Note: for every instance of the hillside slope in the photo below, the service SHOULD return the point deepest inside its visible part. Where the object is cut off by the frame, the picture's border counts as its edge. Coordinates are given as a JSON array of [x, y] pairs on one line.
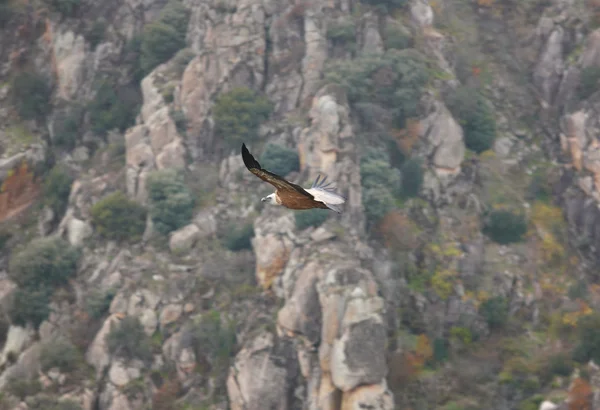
[[139, 269]]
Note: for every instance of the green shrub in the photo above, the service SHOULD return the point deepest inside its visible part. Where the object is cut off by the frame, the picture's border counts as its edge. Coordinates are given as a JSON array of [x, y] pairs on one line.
[[56, 190], [68, 128], [238, 237], [440, 350], [213, 341], [97, 303], [65, 405], [376, 172], [588, 334], [380, 184], [412, 177], [505, 227], [60, 353], [476, 117], [560, 364], [128, 340], [588, 82], [532, 403], [31, 95], [96, 33], [5, 236], [171, 202], [540, 187], [113, 107], [386, 4], [44, 263], [6, 14], [495, 311], [310, 217], [65, 7], [342, 31], [377, 202], [163, 38], [393, 80], [180, 121], [23, 388], [29, 306], [119, 218], [397, 36], [238, 115], [4, 326], [45, 402], [279, 159]]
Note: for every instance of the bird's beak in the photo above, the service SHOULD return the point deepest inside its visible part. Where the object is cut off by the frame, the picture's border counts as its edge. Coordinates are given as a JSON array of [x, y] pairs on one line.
[[263, 199]]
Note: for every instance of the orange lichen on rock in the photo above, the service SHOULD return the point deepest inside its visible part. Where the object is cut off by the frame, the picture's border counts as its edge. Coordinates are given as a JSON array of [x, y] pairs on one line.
[[580, 395], [18, 191]]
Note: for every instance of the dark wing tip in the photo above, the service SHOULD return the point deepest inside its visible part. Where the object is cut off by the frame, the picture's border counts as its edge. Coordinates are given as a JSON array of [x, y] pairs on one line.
[[249, 161]]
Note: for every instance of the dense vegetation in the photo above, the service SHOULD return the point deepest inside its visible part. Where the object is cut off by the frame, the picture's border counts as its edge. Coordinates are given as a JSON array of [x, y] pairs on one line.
[[31, 95], [42, 266], [171, 202], [57, 188], [475, 115], [112, 108], [393, 80], [279, 159], [117, 217], [162, 38], [238, 114]]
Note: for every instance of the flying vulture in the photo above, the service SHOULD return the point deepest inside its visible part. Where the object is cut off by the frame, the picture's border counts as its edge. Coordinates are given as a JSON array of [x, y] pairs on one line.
[[292, 196]]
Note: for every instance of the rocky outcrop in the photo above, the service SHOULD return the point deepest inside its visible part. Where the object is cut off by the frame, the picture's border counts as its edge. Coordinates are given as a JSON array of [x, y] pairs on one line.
[[263, 375], [445, 140], [155, 143], [328, 147]]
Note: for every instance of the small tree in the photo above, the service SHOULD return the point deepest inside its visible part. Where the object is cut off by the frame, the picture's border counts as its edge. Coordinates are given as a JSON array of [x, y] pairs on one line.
[[164, 37], [44, 263], [56, 190], [65, 7], [171, 202], [128, 340], [31, 95], [505, 227], [475, 115], [377, 201], [114, 107], [238, 115], [376, 172], [588, 82], [29, 306], [588, 332], [238, 237], [59, 353], [310, 217], [279, 159], [118, 217], [213, 341], [495, 311], [412, 177]]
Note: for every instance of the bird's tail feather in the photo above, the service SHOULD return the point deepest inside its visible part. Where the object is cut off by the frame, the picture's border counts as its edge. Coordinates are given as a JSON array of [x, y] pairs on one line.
[[335, 208]]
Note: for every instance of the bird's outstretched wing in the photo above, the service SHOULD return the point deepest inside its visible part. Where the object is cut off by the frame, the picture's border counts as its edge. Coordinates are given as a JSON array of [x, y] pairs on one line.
[[273, 179]]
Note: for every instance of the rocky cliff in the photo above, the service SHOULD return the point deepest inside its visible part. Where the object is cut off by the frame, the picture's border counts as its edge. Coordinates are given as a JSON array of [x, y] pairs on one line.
[[139, 268]]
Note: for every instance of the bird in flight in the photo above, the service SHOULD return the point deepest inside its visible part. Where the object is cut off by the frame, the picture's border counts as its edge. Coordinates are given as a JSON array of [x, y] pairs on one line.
[[292, 196]]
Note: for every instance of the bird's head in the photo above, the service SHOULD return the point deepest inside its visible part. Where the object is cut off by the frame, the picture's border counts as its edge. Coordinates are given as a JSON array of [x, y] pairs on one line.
[[269, 199]]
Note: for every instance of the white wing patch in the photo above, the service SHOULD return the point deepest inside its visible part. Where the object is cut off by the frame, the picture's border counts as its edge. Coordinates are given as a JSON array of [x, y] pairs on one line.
[[325, 193], [326, 197]]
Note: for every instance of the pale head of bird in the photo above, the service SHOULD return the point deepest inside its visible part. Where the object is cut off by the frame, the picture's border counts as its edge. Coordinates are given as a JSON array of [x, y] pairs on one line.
[[270, 199]]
